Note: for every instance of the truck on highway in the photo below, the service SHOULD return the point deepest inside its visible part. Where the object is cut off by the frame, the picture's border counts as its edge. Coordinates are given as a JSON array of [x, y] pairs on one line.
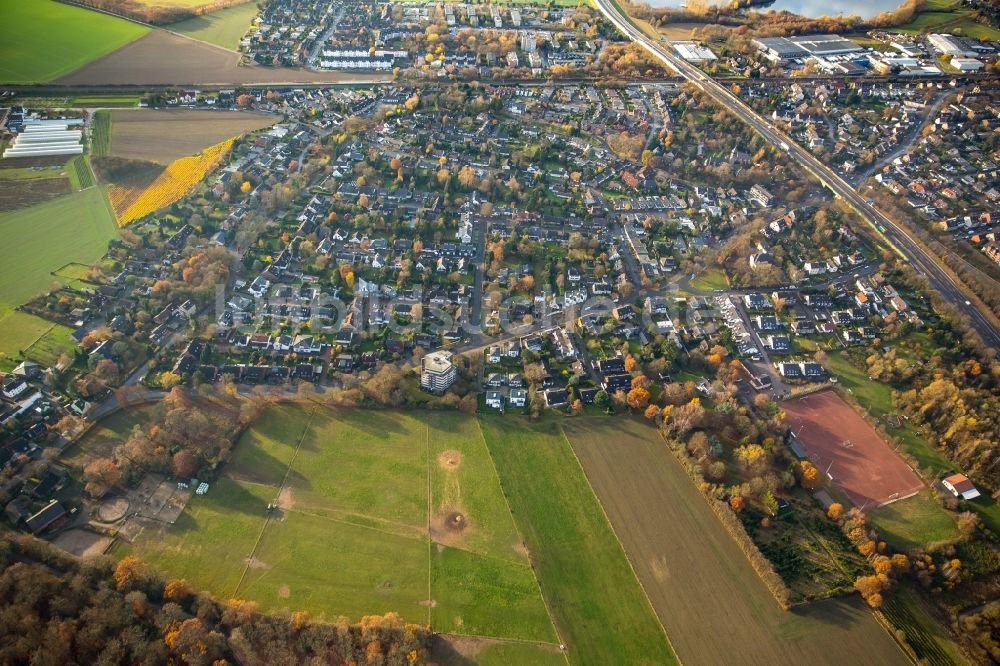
[[785, 147]]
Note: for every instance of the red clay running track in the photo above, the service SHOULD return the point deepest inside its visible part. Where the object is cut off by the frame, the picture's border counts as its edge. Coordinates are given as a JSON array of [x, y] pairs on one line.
[[842, 444]]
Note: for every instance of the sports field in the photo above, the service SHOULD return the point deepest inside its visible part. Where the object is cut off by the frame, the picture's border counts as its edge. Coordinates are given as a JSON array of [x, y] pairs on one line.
[[163, 136], [41, 239], [375, 512], [225, 27], [715, 608], [43, 39], [600, 609], [849, 450]]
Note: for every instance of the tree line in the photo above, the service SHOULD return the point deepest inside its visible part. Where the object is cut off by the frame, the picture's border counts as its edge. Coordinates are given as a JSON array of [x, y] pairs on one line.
[[154, 14], [60, 610]]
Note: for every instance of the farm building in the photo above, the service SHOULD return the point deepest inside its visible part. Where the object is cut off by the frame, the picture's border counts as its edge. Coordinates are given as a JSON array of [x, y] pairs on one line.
[[959, 485]]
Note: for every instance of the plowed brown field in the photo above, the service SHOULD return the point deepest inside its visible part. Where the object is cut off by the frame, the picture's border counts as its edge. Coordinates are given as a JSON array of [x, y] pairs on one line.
[[164, 58]]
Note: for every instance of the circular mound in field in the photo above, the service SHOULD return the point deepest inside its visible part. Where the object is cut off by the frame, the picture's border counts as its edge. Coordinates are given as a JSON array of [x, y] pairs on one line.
[[112, 510], [450, 459], [455, 522]]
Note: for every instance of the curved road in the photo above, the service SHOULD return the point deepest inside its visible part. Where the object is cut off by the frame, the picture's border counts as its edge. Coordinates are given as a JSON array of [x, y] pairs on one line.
[[896, 236]]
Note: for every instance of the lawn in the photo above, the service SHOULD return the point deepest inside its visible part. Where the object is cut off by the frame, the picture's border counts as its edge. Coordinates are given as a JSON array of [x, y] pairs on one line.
[[710, 279], [355, 532], [225, 27], [53, 344], [43, 238], [917, 521], [43, 39], [600, 609], [25, 335], [484, 596], [693, 570]]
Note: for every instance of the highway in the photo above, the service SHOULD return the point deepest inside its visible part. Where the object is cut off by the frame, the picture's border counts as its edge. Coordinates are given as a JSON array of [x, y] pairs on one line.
[[895, 235]]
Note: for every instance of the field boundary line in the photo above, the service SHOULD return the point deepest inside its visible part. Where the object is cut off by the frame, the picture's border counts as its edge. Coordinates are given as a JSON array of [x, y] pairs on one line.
[[604, 513], [267, 518], [517, 530]]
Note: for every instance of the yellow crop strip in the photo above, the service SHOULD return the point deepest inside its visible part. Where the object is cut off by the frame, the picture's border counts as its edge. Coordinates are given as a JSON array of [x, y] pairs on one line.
[[177, 180]]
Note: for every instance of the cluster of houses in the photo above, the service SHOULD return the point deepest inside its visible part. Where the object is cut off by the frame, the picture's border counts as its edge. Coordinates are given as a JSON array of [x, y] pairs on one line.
[[380, 37], [948, 175], [851, 136]]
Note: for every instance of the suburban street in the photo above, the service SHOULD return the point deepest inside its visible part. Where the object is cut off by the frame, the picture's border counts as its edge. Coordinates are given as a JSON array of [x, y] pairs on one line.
[[894, 234]]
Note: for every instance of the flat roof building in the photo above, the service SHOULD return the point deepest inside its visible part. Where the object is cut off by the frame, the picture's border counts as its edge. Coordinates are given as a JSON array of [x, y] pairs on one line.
[[791, 48], [951, 45], [437, 372], [693, 52]]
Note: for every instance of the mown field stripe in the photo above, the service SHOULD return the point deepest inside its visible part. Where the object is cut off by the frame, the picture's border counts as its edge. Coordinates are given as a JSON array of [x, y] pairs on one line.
[[267, 520], [430, 546], [520, 536], [595, 597], [604, 511]]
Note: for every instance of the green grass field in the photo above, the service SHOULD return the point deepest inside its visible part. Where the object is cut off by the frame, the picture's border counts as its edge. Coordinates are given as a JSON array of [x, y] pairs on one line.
[[600, 609], [951, 17], [359, 526], [28, 336], [710, 280], [106, 101], [42, 238], [225, 27], [696, 574], [917, 521], [43, 39]]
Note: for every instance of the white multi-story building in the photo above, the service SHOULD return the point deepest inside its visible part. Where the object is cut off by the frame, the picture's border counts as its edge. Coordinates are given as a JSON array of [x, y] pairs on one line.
[[437, 371]]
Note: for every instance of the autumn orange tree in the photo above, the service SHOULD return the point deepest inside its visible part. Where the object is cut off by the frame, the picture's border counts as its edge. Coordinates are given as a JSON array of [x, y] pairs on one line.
[[810, 475], [637, 398]]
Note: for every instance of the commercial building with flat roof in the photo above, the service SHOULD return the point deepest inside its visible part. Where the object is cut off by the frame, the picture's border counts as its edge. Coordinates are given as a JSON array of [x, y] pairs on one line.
[[791, 48], [693, 52]]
